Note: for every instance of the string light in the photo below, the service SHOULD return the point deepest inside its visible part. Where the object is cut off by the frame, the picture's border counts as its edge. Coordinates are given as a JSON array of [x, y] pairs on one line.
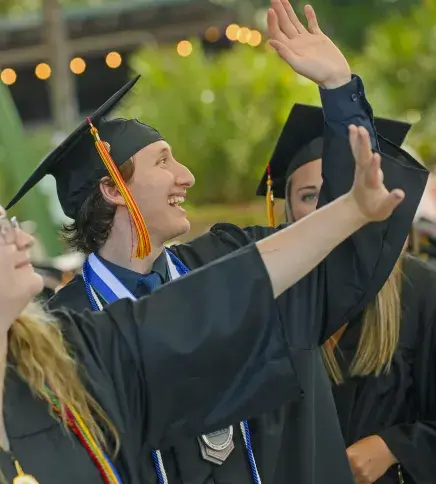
[[113, 60], [255, 38], [184, 48], [232, 32], [244, 35], [43, 71], [78, 65], [8, 76], [212, 34]]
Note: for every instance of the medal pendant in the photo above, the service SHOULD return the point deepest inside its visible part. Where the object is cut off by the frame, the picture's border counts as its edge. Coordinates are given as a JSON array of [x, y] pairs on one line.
[[217, 446], [25, 479]]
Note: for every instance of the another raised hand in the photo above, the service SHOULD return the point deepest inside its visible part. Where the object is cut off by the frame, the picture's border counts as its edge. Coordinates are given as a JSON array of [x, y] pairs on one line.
[[307, 50], [373, 199]]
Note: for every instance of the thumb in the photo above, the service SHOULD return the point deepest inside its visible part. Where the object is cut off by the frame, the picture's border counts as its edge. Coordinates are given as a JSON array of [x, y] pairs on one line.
[[392, 201]]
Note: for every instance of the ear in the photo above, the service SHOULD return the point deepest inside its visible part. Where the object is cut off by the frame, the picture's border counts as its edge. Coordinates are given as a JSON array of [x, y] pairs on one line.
[[110, 192]]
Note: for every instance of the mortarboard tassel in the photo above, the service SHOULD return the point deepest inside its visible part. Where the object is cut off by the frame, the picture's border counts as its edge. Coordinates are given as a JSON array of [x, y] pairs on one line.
[[143, 247], [270, 199]]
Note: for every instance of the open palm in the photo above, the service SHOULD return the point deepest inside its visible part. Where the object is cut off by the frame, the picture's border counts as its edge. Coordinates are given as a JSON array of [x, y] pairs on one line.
[[308, 51], [373, 199]]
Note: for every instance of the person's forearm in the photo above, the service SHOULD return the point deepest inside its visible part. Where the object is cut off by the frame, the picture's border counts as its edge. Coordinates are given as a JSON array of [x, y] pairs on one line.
[[293, 252]]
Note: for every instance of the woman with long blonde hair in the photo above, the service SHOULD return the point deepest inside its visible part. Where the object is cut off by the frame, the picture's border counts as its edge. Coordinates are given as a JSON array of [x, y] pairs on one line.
[[382, 366], [83, 395]]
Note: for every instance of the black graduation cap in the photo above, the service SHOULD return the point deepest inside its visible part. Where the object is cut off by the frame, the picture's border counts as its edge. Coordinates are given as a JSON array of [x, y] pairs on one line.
[[301, 141], [77, 165]]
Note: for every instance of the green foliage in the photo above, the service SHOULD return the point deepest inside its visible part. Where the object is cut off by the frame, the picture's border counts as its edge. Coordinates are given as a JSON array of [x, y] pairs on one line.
[[348, 21], [399, 68], [222, 116]]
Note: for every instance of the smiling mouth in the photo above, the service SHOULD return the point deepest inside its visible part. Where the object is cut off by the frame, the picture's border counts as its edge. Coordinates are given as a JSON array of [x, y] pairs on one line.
[[176, 201]]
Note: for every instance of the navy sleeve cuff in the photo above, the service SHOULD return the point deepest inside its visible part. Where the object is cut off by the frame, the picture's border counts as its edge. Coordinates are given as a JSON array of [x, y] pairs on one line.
[[345, 102], [347, 105]]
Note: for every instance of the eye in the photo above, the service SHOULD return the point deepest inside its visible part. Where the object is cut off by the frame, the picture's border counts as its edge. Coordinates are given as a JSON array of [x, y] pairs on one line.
[[309, 197], [163, 160]]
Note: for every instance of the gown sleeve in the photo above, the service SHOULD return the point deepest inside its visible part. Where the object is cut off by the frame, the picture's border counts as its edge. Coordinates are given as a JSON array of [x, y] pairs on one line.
[[354, 272], [414, 444], [358, 268], [200, 353]]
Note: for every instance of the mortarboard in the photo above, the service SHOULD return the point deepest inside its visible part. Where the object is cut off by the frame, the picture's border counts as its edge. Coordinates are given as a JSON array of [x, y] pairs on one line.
[[301, 141], [96, 148]]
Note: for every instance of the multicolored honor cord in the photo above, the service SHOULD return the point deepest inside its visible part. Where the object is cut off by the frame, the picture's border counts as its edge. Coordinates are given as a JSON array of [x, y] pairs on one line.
[[79, 428]]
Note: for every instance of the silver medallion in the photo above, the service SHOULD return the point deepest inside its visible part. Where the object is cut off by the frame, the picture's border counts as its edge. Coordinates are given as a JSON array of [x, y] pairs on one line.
[[217, 446]]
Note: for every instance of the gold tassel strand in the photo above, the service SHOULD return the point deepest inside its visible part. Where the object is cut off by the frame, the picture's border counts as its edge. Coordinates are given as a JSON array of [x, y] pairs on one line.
[[270, 199]]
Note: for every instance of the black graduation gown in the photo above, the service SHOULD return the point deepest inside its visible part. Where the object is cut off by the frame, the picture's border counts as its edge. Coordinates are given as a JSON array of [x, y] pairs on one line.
[[400, 407], [161, 371], [301, 442]]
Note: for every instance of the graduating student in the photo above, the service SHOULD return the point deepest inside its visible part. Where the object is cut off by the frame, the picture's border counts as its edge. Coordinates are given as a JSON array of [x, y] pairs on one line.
[[382, 364], [84, 395], [156, 184]]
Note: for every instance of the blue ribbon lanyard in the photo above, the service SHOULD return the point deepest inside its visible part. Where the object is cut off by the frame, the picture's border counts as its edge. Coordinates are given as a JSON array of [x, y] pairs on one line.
[[99, 281]]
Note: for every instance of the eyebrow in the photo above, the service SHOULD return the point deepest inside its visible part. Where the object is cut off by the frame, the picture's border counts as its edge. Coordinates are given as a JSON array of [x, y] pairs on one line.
[[308, 187]]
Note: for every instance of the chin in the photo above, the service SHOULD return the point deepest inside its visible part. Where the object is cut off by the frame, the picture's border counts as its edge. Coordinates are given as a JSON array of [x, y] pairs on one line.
[[177, 230], [36, 284]]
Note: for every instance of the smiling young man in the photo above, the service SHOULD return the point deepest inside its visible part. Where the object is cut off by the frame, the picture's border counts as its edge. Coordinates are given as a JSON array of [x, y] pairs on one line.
[[109, 226]]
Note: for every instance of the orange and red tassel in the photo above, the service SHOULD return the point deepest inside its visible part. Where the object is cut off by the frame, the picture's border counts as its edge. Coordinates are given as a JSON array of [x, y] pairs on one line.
[[143, 247]]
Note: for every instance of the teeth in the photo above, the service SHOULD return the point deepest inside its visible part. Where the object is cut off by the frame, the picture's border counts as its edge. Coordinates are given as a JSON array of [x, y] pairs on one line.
[[176, 200]]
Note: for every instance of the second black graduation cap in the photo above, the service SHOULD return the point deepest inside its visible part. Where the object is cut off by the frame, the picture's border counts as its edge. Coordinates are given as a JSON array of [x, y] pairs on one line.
[[77, 166], [301, 142]]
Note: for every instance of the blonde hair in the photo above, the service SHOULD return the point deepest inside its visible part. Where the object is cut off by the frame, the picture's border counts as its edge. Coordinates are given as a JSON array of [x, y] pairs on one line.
[[379, 336], [380, 333], [43, 358]]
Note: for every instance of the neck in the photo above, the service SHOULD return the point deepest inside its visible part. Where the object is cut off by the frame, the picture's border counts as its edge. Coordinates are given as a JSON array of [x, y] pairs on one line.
[[118, 248], [4, 442]]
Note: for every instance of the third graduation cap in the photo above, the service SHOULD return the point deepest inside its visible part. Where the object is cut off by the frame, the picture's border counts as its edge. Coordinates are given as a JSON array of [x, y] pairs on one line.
[[301, 142], [98, 147]]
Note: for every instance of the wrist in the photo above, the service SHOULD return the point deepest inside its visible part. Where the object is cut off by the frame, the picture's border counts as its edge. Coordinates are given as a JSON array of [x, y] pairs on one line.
[[390, 457], [336, 81], [353, 207]]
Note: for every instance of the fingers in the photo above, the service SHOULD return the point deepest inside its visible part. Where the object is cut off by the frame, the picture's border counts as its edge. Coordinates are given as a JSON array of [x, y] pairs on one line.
[[293, 17], [283, 51], [273, 27], [284, 22], [360, 146], [374, 174], [352, 136], [312, 21]]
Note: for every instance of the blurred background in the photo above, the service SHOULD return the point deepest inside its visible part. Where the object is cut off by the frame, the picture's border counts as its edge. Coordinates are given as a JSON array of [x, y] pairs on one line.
[[209, 83]]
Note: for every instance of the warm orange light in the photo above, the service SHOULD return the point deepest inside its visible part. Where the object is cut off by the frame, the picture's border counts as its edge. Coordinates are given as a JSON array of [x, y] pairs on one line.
[[78, 65], [113, 60], [255, 38], [8, 76], [232, 32], [43, 71], [212, 34], [184, 48], [244, 35]]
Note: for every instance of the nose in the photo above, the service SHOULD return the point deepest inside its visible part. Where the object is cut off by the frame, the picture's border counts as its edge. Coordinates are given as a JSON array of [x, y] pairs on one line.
[[183, 176], [23, 240]]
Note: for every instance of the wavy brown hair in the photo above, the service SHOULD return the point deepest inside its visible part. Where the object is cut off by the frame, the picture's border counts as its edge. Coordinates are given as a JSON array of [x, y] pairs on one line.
[[43, 358], [93, 223]]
